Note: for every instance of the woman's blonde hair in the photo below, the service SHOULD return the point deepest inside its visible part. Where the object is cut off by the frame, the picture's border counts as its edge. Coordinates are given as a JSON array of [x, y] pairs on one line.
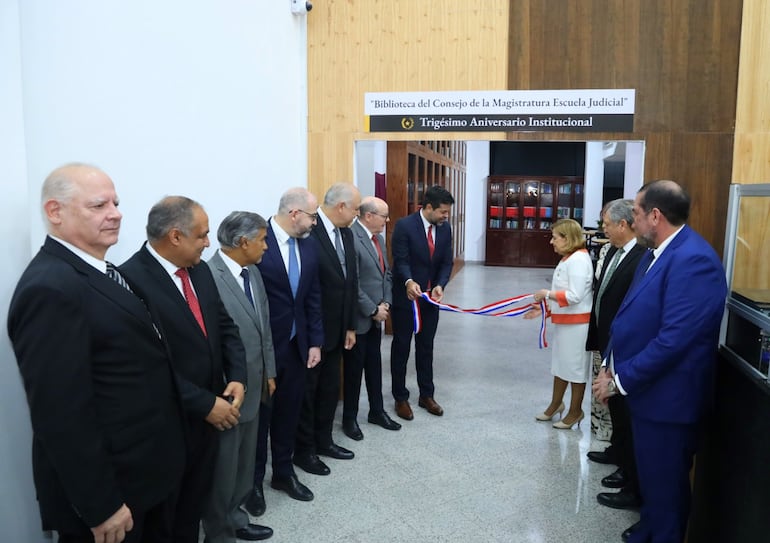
[[570, 230]]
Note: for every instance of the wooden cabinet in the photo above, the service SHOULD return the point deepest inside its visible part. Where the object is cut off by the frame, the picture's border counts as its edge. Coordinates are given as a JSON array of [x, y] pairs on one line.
[[520, 213], [412, 167]]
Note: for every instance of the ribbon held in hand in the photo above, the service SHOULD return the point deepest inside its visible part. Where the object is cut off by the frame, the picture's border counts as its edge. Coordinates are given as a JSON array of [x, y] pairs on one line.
[[495, 309]]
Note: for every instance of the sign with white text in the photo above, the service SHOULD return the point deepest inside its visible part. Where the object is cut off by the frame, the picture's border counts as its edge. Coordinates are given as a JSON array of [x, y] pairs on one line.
[[569, 110]]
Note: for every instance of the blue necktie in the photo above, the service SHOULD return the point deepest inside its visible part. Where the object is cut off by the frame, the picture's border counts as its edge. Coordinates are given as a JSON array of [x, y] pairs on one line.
[[247, 285], [641, 270], [293, 279], [293, 267]]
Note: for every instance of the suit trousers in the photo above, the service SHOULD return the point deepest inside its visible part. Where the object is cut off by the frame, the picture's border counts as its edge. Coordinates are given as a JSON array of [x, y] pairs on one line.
[[280, 418], [322, 393], [364, 358], [152, 526], [202, 445], [623, 441], [664, 454], [232, 482], [403, 330]]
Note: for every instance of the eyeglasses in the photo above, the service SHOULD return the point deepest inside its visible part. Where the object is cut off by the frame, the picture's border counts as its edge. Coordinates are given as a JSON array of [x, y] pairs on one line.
[[386, 217], [313, 216]]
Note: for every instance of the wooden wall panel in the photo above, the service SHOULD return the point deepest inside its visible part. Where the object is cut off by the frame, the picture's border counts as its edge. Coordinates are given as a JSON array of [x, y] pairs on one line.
[[751, 158], [393, 45], [751, 153], [681, 57]]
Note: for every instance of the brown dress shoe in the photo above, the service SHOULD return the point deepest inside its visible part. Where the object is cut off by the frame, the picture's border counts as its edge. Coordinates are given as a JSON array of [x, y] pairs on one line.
[[431, 405], [404, 411]]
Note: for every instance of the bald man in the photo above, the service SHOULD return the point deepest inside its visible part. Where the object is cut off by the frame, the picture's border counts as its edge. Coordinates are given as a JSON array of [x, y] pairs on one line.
[[107, 440]]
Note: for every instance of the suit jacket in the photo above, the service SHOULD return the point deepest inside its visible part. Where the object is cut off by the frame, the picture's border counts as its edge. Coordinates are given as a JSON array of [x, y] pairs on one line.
[[374, 286], [411, 258], [614, 292], [338, 292], [665, 333], [106, 419], [203, 363], [284, 308], [253, 323]]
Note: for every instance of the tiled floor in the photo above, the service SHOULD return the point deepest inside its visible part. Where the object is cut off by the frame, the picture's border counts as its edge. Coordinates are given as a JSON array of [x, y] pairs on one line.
[[485, 471]]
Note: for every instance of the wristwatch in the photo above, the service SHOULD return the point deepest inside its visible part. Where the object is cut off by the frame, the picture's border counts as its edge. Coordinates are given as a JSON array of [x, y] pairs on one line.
[[612, 388]]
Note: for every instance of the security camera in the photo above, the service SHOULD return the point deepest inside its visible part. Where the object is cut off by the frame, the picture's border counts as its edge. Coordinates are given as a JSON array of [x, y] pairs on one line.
[[300, 7]]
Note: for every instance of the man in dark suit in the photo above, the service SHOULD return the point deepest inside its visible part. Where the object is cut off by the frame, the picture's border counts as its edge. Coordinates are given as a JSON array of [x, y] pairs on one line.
[[375, 286], [339, 290], [662, 355], [108, 441], [422, 261], [289, 270], [618, 271], [242, 243], [206, 350]]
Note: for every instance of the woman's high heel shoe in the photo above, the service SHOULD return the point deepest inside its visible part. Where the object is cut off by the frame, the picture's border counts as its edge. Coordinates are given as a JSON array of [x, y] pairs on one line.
[[561, 425], [542, 417]]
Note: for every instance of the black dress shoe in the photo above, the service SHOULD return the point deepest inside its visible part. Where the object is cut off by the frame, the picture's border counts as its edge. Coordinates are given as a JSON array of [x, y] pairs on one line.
[[255, 502], [602, 457], [626, 535], [382, 419], [335, 451], [292, 487], [311, 464], [352, 430], [619, 500], [253, 532], [616, 479]]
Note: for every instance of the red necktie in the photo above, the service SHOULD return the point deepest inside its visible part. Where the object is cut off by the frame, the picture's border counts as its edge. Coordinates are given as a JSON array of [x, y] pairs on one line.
[[431, 245], [376, 241], [192, 300]]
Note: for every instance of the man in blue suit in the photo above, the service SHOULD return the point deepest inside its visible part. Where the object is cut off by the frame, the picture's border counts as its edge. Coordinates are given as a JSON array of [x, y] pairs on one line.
[[289, 270], [422, 262], [662, 356]]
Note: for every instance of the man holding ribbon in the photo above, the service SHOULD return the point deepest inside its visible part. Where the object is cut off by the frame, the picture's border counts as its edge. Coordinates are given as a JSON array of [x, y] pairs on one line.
[[422, 262]]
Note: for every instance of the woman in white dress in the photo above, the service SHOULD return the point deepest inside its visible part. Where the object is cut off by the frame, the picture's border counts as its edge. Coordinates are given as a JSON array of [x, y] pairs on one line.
[[569, 307]]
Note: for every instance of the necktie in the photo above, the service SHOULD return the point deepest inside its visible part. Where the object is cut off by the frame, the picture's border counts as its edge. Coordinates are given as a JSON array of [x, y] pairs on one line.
[[189, 296], [247, 285], [114, 274], [644, 264], [606, 279], [377, 246], [431, 245], [293, 267], [293, 279], [340, 250]]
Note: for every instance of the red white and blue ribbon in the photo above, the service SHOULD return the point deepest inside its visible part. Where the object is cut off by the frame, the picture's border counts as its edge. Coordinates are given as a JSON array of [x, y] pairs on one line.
[[495, 309]]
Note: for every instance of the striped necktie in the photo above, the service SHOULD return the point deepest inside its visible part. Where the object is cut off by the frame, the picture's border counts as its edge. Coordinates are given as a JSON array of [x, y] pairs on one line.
[[114, 274]]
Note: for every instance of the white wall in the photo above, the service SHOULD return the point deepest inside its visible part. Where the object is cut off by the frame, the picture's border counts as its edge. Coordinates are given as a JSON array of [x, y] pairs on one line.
[[197, 97], [18, 508], [476, 172], [633, 178], [593, 183]]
